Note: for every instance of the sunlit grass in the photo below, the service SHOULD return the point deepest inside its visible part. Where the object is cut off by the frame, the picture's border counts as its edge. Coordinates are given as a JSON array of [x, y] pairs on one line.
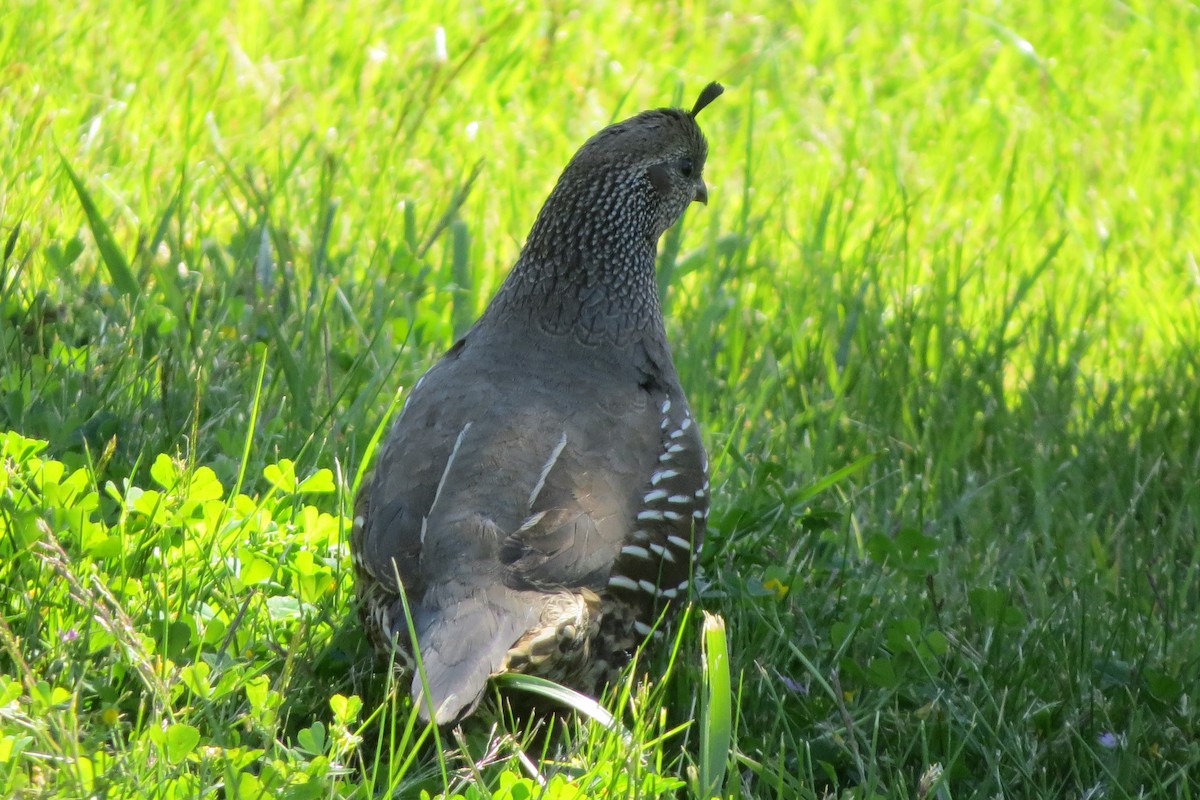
[[939, 321]]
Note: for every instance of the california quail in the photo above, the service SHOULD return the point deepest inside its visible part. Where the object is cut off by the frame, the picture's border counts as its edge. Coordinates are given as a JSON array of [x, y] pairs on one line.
[[544, 490]]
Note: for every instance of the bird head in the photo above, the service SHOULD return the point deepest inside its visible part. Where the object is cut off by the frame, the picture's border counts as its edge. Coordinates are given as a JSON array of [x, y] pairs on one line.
[[644, 171], [588, 265]]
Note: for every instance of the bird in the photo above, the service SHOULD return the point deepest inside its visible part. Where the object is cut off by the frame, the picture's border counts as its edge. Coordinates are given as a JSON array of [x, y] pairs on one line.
[[542, 496]]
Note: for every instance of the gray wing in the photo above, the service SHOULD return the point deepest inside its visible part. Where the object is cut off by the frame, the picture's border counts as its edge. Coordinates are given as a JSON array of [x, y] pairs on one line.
[[559, 467], [624, 515], [581, 511], [393, 504]]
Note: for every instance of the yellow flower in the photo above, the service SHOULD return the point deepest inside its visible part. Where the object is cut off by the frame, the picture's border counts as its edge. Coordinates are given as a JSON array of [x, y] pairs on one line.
[[777, 587]]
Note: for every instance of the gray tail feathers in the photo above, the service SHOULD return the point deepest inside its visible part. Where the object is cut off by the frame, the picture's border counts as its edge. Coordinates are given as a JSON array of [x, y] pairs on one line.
[[461, 647]]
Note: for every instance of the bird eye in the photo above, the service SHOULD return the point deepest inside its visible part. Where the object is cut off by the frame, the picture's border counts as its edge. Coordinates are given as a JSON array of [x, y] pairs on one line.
[[686, 167]]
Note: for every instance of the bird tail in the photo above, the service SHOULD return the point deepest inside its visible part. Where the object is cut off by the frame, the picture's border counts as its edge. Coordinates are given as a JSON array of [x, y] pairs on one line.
[[461, 647]]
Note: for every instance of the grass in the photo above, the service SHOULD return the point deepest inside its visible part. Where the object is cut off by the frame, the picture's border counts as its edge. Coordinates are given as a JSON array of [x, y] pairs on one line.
[[939, 321]]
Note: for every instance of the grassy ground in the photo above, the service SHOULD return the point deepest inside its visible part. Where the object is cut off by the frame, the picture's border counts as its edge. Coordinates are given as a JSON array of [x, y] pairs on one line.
[[939, 319]]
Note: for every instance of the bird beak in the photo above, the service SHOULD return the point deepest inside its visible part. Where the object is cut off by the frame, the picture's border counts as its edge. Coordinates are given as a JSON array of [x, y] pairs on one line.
[[701, 193]]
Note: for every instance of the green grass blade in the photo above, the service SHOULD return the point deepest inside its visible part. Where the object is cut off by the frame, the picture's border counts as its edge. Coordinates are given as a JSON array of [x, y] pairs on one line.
[[10, 244], [570, 698], [118, 266], [716, 708], [252, 424]]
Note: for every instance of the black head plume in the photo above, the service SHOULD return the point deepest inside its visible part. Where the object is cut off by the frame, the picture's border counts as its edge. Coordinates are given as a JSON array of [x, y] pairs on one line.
[[709, 93]]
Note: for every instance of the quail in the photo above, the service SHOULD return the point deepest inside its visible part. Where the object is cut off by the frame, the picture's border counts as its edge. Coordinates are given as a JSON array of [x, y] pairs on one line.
[[543, 493]]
